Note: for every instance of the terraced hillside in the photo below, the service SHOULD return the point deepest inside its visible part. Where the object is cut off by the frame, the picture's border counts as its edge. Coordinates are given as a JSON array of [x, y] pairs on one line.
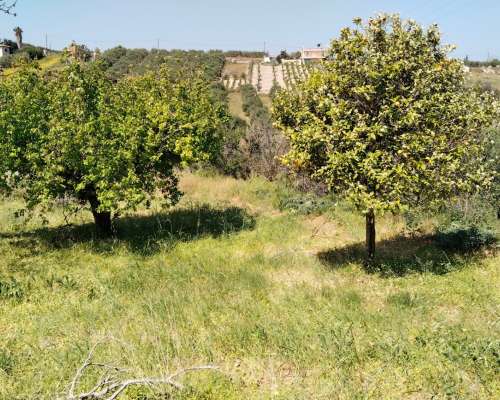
[[263, 76]]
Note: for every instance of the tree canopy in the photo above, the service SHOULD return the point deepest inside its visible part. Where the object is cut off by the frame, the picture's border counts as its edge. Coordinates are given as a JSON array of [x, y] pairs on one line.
[[79, 136], [388, 120]]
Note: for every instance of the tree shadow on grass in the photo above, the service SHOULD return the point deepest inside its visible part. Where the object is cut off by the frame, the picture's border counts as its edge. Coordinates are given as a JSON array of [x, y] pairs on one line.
[[144, 235], [400, 256]]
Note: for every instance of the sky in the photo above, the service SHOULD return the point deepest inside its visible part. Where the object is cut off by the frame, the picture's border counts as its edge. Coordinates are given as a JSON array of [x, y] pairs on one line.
[[472, 25]]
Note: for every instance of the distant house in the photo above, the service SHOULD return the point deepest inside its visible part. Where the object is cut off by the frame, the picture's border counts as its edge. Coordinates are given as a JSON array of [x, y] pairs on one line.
[[313, 55], [78, 52], [5, 50]]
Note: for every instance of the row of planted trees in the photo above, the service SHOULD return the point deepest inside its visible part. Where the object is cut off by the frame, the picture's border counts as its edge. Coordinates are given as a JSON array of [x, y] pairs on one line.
[[388, 122]]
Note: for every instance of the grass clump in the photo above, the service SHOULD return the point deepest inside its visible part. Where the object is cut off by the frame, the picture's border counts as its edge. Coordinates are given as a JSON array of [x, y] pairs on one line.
[[10, 288], [6, 362]]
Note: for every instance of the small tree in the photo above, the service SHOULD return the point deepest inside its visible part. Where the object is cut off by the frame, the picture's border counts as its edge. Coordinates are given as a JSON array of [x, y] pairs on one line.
[[76, 135], [283, 55], [388, 120]]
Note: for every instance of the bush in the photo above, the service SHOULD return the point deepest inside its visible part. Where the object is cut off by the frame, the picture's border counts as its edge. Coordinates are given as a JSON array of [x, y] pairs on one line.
[[33, 52], [263, 145], [288, 198], [467, 211], [232, 160], [464, 238], [19, 59], [6, 61], [254, 148]]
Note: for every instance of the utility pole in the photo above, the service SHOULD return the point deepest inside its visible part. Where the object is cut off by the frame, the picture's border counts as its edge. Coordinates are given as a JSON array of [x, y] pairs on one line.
[[265, 47], [158, 44], [46, 41]]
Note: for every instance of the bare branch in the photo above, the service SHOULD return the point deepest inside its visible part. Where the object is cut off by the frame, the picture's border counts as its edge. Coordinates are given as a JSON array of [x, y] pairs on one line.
[[80, 371], [111, 383], [7, 7]]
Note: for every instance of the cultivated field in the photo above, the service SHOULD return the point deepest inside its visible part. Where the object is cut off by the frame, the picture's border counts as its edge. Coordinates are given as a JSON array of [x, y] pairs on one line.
[[280, 302], [263, 76]]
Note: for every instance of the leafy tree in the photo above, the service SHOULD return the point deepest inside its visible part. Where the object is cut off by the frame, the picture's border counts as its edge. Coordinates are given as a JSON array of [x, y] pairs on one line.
[[76, 135], [111, 56], [389, 121], [283, 55]]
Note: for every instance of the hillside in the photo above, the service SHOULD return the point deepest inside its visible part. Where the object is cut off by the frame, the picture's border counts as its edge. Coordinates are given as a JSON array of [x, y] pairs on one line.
[[51, 62]]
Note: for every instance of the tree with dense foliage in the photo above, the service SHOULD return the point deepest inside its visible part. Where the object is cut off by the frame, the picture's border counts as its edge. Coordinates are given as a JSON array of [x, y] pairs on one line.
[[283, 55], [388, 121], [75, 135], [121, 62]]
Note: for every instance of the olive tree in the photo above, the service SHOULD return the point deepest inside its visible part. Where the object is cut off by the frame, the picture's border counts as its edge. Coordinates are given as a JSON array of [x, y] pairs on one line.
[[76, 135], [388, 120]]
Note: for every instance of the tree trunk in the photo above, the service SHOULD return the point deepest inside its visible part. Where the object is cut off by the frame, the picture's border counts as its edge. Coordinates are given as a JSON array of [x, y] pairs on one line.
[[102, 219], [370, 235]]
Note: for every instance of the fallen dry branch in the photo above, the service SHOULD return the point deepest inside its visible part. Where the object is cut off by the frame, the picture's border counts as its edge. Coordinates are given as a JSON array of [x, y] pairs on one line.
[[111, 383]]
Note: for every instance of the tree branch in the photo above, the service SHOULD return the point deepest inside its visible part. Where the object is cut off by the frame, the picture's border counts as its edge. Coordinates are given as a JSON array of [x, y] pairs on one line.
[[110, 385], [7, 7]]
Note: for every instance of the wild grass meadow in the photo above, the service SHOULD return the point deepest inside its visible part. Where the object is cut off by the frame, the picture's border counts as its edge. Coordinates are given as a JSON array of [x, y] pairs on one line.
[[279, 301]]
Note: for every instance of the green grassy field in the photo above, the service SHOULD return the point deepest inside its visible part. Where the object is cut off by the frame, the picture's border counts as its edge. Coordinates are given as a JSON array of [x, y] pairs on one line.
[[235, 103], [51, 62], [281, 303]]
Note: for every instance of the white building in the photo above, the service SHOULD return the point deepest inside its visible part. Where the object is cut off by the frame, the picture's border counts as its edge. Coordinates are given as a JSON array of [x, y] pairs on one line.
[[4, 50], [313, 55]]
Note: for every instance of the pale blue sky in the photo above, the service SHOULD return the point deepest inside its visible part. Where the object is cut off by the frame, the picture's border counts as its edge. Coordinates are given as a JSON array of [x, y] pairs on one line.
[[472, 25]]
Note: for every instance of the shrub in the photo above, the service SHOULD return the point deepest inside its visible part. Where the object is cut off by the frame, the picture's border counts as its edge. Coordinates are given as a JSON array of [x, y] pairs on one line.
[[33, 52], [263, 145], [232, 161], [6, 61], [289, 198], [20, 59], [464, 238]]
